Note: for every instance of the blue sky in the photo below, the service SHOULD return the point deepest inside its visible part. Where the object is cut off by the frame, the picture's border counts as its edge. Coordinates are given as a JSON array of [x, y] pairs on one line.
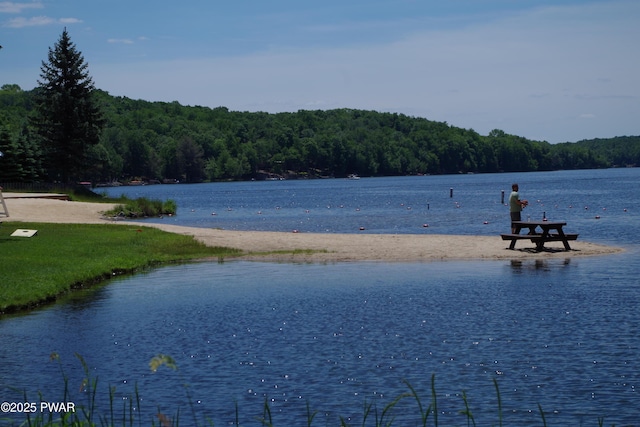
[[552, 70]]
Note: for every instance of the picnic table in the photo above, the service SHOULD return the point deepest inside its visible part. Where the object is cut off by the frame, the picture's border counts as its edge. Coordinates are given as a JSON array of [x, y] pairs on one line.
[[540, 232]]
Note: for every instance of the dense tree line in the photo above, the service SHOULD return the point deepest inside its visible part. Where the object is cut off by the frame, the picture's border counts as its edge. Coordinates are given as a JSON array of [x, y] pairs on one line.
[[158, 140], [620, 151], [61, 120], [67, 130]]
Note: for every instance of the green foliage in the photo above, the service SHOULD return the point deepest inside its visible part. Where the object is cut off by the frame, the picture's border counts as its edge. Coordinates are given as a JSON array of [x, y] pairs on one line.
[[157, 140], [21, 159], [160, 360], [68, 120], [143, 207], [621, 151], [64, 256], [196, 143]]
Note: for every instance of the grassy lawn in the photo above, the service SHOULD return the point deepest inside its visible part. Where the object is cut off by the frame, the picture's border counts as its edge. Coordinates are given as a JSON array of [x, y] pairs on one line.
[[61, 257]]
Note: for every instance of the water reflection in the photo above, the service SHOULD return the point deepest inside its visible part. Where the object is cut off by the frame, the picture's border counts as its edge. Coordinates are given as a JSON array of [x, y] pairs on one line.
[[521, 266], [337, 335], [562, 333]]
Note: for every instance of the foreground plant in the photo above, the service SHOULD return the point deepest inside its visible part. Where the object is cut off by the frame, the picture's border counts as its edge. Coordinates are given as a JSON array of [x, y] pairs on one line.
[[142, 208], [86, 415]]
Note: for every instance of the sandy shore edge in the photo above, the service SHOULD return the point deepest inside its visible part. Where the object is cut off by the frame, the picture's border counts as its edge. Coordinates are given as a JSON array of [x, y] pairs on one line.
[[310, 247]]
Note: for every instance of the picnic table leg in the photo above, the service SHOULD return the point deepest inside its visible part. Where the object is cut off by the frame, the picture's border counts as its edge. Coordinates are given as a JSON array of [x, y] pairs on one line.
[[517, 229], [565, 242], [543, 238]]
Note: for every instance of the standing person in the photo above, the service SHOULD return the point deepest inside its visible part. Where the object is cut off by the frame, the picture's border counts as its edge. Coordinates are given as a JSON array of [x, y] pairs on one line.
[[515, 206]]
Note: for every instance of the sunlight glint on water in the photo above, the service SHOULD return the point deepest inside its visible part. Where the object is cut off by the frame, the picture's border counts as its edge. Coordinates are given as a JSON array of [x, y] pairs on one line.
[[559, 333]]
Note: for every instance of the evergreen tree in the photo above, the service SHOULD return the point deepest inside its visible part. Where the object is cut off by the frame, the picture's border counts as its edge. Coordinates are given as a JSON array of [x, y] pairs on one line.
[[30, 158], [190, 158], [10, 167], [68, 118]]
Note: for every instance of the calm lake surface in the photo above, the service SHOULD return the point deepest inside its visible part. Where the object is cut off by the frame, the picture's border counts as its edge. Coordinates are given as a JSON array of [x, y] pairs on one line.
[[560, 333]]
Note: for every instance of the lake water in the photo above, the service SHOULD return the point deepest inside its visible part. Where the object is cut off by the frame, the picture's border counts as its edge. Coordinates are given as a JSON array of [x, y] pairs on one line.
[[560, 333], [407, 204]]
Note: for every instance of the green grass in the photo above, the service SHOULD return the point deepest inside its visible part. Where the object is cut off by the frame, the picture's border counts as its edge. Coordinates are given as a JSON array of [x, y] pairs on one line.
[[291, 252], [61, 257], [126, 207], [142, 207]]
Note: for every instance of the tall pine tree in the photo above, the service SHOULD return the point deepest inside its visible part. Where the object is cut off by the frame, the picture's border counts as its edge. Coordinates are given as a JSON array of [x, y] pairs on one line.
[[68, 119], [10, 168]]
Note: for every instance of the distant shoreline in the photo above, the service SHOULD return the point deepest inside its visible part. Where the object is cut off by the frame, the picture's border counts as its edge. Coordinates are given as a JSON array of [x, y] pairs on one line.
[[310, 247]]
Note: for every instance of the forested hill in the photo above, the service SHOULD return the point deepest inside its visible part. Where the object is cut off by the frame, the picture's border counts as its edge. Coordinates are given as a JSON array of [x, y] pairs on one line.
[[618, 151], [158, 140]]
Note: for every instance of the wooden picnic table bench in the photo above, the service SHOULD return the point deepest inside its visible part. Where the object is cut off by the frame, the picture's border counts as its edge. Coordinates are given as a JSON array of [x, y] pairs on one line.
[[550, 231]]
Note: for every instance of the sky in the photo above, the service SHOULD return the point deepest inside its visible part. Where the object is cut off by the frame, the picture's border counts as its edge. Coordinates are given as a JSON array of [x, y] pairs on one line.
[[547, 70]]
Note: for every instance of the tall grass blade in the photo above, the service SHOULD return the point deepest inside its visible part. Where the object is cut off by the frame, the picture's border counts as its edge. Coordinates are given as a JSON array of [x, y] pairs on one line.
[[266, 414], [424, 415], [367, 411], [495, 383], [389, 407], [544, 421], [91, 389], [310, 415], [434, 399], [138, 406], [112, 392], [467, 411]]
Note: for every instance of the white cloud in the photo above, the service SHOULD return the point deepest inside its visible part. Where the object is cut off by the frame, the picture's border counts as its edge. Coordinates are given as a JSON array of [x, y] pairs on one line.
[[70, 21], [532, 74], [11, 7], [127, 41], [35, 21], [120, 41], [38, 21]]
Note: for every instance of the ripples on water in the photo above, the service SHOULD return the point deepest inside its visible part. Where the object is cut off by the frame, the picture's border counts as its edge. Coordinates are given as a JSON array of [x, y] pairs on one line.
[[339, 335], [561, 333], [407, 204]]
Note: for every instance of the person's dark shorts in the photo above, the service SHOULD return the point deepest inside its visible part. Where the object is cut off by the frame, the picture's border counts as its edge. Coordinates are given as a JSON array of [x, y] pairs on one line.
[[515, 216]]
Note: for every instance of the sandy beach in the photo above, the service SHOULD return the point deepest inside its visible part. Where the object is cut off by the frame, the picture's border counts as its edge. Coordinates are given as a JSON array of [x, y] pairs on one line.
[[324, 247]]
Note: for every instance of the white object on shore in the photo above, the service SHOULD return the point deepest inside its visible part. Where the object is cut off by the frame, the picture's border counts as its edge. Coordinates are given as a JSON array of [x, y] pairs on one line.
[[23, 232]]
